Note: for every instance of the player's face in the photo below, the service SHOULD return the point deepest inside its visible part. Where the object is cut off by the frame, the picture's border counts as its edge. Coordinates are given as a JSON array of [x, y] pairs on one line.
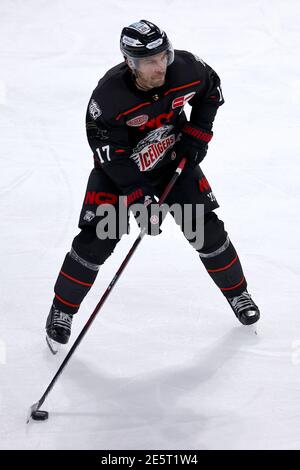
[[151, 71]]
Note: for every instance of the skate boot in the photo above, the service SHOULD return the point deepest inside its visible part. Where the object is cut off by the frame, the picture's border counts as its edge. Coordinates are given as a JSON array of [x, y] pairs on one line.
[[244, 308], [58, 328]]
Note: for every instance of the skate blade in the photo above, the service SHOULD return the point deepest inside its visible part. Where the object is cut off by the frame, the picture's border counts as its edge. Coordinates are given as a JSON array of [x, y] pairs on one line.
[[54, 346], [252, 328]]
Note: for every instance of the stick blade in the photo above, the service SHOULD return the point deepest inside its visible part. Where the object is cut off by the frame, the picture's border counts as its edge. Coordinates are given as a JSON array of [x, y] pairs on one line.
[[31, 410]]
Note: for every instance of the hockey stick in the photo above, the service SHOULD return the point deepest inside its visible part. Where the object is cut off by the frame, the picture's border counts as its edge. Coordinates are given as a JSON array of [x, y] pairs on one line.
[[34, 411]]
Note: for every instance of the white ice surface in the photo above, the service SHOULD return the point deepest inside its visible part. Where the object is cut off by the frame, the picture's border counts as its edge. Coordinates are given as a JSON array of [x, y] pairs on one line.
[[165, 365]]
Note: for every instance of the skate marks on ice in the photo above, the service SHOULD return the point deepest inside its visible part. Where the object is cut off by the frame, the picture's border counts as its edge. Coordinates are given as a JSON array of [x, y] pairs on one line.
[[161, 409]]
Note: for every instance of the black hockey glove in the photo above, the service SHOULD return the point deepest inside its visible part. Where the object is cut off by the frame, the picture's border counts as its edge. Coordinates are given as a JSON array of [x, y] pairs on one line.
[[146, 211], [193, 144]]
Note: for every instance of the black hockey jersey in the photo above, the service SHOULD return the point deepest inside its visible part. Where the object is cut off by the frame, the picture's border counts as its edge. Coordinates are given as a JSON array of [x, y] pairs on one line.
[[133, 133]]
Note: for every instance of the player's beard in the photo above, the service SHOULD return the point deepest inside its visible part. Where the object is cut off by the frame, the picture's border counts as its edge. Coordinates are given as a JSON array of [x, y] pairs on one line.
[[148, 83], [158, 81]]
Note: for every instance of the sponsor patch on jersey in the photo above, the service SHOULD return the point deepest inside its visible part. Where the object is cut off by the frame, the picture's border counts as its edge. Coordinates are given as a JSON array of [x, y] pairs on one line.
[[138, 120], [89, 215], [101, 197], [158, 121], [182, 100], [94, 109], [153, 147]]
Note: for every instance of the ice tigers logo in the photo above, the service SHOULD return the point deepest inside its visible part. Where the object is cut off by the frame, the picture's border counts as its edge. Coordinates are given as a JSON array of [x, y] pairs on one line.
[[153, 147]]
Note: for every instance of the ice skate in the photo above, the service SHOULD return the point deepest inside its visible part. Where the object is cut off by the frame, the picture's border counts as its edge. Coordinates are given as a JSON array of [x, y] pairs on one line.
[[58, 329], [246, 311]]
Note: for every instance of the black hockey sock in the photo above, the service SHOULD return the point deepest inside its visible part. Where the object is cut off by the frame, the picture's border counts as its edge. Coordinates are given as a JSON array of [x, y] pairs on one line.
[[224, 267], [75, 279]]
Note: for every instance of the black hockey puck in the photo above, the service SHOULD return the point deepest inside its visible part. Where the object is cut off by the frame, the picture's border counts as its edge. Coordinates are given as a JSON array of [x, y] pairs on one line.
[[40, 415]]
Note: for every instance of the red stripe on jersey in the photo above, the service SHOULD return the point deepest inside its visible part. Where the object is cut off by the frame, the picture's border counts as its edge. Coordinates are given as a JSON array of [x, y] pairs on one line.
[[181, 87], [132, 109]]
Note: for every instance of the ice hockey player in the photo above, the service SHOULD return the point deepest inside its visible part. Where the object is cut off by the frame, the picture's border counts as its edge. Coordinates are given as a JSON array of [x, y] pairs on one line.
[[138, 132]]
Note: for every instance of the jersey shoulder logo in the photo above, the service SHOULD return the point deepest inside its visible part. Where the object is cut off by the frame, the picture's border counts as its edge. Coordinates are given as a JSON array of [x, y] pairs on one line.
[[181, 101], [94, 109]]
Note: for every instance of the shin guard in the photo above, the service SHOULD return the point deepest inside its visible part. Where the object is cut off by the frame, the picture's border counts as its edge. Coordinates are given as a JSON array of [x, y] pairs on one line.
[[75, 279], [224, 267]]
